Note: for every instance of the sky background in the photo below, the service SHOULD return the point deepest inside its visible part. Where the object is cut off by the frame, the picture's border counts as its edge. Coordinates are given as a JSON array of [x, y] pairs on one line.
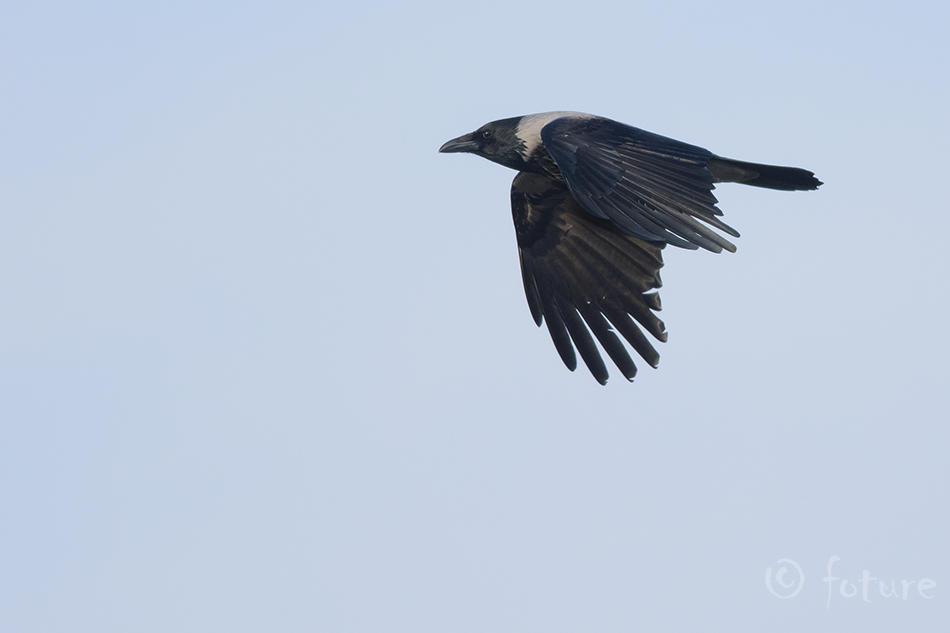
[[266, 363]]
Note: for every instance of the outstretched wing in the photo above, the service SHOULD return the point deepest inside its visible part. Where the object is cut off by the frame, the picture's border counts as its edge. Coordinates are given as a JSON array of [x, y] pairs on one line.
[[650, 186], [582, 276]]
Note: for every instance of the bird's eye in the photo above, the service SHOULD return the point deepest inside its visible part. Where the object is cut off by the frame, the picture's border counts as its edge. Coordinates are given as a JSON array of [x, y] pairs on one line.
[[486, 134]]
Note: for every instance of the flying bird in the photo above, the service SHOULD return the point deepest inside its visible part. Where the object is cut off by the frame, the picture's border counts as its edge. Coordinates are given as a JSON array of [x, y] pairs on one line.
[[594, 204]]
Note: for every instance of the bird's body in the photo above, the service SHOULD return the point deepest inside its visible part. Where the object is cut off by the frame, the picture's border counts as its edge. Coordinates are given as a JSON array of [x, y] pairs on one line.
[[594, 203]]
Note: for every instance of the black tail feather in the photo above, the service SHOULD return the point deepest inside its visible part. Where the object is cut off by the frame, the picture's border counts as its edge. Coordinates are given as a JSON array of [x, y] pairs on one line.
[[768, 176]]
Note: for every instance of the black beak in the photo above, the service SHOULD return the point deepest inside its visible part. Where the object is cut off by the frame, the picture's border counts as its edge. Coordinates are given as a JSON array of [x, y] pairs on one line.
[[461, 144]]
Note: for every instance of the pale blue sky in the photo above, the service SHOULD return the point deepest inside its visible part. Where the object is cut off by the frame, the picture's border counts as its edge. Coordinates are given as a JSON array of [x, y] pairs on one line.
[[266, 362]]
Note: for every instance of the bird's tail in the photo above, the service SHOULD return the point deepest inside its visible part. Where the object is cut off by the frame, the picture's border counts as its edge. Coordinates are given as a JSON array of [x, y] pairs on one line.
[[769, 176]]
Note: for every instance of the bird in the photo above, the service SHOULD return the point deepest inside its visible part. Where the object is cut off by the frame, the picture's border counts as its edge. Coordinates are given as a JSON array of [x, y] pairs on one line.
[[594, 203]]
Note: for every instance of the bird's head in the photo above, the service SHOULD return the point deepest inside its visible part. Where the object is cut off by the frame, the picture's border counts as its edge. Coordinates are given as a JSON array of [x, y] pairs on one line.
[[497, 141]]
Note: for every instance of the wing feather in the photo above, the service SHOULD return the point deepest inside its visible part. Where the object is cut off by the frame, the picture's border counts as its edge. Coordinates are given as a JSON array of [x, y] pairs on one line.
[[556, 327], [648, 185], [586, 280]]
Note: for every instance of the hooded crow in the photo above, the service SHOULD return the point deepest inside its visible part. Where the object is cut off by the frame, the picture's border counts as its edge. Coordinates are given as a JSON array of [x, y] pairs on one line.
[[594, 203]]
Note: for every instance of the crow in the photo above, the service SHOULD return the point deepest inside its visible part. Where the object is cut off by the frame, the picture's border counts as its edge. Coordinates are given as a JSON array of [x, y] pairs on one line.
[[594, 203]]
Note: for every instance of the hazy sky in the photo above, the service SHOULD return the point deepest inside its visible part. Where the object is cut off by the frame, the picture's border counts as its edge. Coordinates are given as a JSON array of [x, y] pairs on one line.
[[266, 362]]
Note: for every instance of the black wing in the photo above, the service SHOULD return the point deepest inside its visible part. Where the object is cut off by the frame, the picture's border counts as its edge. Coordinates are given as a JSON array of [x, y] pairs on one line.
[[582, 275], [650, 186]]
